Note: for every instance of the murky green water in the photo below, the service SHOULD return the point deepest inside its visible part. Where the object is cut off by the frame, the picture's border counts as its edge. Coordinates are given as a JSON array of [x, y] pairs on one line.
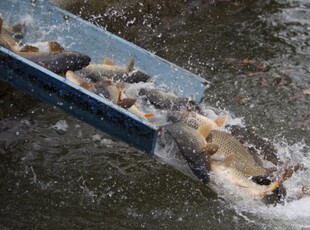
[[256, 55]]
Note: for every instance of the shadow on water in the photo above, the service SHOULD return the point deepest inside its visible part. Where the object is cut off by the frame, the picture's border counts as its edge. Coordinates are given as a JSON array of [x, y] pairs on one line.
[[60, 173]]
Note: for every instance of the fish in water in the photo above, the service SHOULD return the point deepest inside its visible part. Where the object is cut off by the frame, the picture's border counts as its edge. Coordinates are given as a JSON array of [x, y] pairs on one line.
[[108, 70], [193, 147], [247, 135], [168, 100], [110, 90], [56, 59], [196, 120], [234, 162], [226, 158]]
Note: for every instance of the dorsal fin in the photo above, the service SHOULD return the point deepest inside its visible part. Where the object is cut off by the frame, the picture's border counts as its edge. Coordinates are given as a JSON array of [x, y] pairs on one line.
[[221, 120], [131, 65], [107, 61], [55, 47], [204, 130], [211, 148]]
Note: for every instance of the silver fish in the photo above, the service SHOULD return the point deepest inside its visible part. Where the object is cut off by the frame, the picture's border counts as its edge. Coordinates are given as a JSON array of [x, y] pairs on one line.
[[168, 100]]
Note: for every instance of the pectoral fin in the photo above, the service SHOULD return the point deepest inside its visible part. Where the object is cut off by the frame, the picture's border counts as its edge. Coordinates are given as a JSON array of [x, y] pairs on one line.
[[211, 148], [228, 161], [204, 130]]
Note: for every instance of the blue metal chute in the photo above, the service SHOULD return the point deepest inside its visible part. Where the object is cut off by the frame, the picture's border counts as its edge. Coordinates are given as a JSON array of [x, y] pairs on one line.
[[49, 22]]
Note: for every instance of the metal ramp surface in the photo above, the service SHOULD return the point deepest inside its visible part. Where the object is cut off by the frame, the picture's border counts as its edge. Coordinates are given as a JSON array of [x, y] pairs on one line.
[[49, 22]]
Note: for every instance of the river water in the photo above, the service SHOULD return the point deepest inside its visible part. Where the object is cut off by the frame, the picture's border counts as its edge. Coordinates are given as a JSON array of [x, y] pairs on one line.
[[59, 173]]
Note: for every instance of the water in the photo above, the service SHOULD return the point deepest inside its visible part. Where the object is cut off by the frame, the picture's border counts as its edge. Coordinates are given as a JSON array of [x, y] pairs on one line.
[[58, 173]]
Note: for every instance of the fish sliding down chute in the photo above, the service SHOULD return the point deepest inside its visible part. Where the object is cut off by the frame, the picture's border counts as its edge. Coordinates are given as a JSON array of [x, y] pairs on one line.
[[46, 22]]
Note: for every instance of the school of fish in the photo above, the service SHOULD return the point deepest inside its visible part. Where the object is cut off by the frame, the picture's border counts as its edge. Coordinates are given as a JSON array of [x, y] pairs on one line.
[[206, 144]]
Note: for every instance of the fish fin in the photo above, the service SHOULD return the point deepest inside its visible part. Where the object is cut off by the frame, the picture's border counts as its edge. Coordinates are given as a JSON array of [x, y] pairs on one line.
[[221, 120], [107, 61], [212, 148], [229, 160], [204, 130], [88, 86], [71, 76], [126, 103], [29, 48], [55, 47], [131, 65], [171, 94], [288, 172], [148, 114]]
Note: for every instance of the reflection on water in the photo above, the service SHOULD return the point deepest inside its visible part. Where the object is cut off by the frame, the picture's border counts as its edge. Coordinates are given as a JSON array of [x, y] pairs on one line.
[[57, 171]]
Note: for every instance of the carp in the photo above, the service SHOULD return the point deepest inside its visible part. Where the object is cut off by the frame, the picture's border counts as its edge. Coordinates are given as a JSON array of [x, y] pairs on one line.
[[56, 59], [234, 162], [193, 147], [168, 100], [217, 152], [107, 69], [108, 89], [196, 120]]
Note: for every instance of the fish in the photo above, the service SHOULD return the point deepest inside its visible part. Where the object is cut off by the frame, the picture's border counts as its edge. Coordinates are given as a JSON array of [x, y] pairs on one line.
[[17, 31], [217, 152], [111, 91], [234, 162], [193, 147], [60, 63], [107, 69], [168, 100], [246, 135], [243, 159], [56, 59], [195, 120]]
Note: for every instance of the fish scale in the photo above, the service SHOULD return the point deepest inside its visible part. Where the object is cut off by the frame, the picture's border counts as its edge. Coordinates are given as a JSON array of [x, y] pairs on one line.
[[231, 147]]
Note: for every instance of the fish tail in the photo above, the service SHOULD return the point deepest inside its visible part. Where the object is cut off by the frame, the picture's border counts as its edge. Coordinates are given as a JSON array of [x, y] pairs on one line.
[[131, 65], [286, 175]]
